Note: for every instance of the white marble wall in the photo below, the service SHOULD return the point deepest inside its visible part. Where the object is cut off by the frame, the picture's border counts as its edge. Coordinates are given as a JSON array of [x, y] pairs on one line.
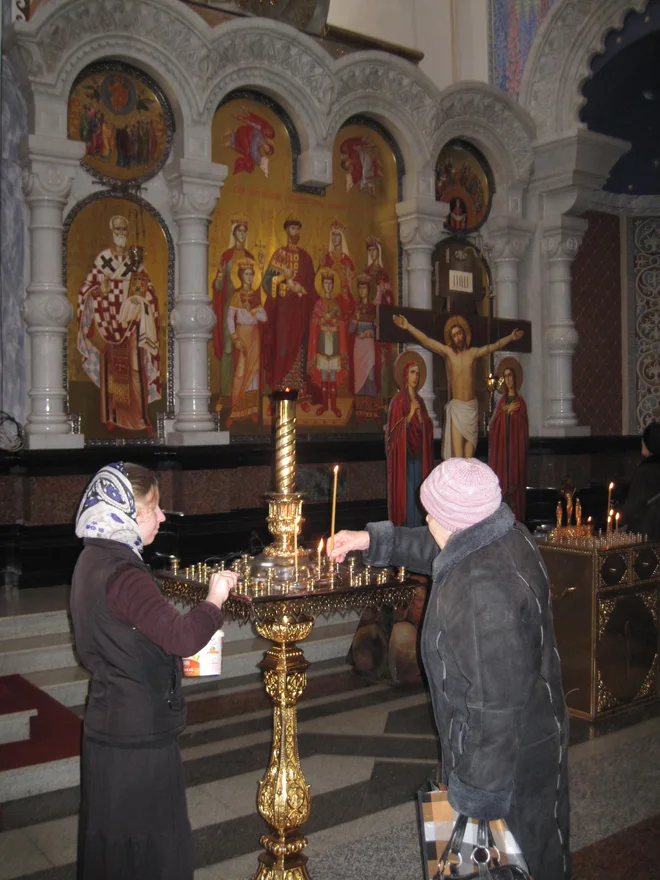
[[13, 380]]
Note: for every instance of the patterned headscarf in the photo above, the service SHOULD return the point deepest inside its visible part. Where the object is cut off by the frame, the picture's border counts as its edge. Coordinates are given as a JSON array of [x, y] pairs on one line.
[[108, 510]]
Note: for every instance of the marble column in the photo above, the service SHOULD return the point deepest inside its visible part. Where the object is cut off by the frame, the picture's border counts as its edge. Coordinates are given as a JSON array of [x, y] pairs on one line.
[[194, 190], [421, 224], [560, 245], [505, 249], [49, 166]]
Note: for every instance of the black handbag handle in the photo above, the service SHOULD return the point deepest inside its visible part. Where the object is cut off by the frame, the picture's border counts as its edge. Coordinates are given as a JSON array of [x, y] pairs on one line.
[[482, 854]]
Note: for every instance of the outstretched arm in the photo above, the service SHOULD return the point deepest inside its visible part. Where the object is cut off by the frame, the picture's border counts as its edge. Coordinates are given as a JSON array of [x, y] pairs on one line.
[[426, 341], [500, 344]]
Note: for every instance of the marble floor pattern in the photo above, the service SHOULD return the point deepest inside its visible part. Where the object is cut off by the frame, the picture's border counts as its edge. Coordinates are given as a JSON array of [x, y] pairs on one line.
[[365, 750]]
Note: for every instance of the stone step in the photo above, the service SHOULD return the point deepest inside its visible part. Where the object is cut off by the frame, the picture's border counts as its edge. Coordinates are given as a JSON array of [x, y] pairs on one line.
[[241, 657], [15, 726], [36, 653]]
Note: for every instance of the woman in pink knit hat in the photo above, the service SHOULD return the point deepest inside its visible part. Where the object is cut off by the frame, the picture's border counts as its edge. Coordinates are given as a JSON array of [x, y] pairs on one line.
[[489, 653]]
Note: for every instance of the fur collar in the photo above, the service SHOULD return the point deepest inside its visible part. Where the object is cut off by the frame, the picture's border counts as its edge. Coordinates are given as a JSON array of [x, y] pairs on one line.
[[474, 538]]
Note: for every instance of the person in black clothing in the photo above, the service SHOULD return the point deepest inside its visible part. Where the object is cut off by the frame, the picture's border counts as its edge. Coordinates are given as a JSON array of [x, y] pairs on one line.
[[133, 814], [641, 510], [489, 653]]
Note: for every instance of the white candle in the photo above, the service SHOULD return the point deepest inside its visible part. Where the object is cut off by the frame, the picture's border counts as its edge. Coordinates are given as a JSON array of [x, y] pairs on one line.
[[334, 510]]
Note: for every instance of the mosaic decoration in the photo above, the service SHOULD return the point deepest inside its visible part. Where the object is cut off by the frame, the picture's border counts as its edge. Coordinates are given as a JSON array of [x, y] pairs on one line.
[[295, 276], [124, 121], [464, 180], [513, 24], [646, 269]]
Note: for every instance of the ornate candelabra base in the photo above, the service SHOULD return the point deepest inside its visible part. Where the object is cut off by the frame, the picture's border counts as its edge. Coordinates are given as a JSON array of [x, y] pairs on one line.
[[284, 801]]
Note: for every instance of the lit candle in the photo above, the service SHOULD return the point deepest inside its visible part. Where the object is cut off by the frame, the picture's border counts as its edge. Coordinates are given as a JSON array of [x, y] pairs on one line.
[[319, 551], [334, 509], [609, 496], [616, 520], [609, 523]]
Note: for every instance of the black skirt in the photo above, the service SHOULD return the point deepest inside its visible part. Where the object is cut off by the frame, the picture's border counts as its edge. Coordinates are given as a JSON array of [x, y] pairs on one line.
[[133, 815]]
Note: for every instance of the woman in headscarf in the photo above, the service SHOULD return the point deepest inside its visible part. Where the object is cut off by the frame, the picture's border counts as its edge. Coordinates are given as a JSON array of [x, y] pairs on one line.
[[489, 652], [133, 815]]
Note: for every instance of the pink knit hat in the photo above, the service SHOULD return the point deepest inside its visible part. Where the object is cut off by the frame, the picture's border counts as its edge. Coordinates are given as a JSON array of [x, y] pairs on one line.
[[460, 492]]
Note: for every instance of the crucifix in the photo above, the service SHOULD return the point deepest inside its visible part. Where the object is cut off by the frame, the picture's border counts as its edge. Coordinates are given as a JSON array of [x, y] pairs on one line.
[[461, 339]]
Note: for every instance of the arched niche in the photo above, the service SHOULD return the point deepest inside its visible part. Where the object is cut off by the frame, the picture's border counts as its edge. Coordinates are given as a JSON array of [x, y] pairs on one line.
[[559, 60]]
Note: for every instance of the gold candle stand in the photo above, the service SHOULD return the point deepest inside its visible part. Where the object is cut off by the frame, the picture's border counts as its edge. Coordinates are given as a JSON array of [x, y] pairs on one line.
[[283, 604], [284, 799]]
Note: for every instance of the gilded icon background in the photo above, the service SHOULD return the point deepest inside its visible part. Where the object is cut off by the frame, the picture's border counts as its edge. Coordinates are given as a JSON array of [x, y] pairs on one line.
[[465, 181], [320, 265], [117, 277], [124, 121]]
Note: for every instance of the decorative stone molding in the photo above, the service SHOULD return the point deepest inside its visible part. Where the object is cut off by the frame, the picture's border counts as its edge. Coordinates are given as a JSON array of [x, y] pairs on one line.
[[618, 203], [421, 222], [198, 66], [559, 60], [493, 120]]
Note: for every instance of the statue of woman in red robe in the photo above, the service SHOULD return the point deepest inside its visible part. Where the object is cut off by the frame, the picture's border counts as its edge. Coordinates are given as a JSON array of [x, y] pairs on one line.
[[409, 442], [509, 437]]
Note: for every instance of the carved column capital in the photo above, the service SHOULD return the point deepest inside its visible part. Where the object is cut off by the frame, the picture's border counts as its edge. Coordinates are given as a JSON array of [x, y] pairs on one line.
[[194, 187], [560, 245], [421, 222], [49, 166], [505, 245]]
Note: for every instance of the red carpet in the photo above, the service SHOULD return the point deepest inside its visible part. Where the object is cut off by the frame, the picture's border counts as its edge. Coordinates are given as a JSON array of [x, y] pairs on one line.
[[54, 731]]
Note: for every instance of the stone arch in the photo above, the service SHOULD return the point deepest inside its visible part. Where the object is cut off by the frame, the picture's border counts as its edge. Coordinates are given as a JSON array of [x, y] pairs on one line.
[[393, 93], [494, 123], [558, 63], [279, 62], [59, 41]]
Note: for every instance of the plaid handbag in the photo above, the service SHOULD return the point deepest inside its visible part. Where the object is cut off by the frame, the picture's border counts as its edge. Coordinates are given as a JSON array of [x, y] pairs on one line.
[[456, 846]]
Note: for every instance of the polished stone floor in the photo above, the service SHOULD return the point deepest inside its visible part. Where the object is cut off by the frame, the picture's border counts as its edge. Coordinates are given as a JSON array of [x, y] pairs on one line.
[[365, 750]]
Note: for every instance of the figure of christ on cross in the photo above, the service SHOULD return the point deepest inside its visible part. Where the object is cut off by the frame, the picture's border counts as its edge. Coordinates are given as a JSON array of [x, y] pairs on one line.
[[461, 413]]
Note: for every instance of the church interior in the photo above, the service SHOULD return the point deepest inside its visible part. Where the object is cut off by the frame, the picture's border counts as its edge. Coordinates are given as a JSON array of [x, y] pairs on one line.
[[239, 237]]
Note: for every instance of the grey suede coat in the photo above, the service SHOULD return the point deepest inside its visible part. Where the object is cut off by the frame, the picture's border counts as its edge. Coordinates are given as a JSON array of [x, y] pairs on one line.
[[489, 653]]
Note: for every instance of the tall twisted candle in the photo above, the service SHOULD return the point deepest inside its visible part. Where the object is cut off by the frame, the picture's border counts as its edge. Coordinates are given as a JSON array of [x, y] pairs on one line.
[[285, 441]]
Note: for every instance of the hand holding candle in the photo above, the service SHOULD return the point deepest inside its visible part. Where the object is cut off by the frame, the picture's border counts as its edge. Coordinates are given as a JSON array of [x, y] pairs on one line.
[[334, 509]]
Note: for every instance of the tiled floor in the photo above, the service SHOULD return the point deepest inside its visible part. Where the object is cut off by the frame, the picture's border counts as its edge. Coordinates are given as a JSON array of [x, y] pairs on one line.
[[365, 750]]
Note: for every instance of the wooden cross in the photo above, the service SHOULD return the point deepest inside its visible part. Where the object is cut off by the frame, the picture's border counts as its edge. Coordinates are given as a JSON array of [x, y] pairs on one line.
[[484, 330]]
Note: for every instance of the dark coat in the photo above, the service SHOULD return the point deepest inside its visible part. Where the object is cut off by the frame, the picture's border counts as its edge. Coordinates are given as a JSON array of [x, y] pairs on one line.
[[489, 653], [135, 695], [637, 513]]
